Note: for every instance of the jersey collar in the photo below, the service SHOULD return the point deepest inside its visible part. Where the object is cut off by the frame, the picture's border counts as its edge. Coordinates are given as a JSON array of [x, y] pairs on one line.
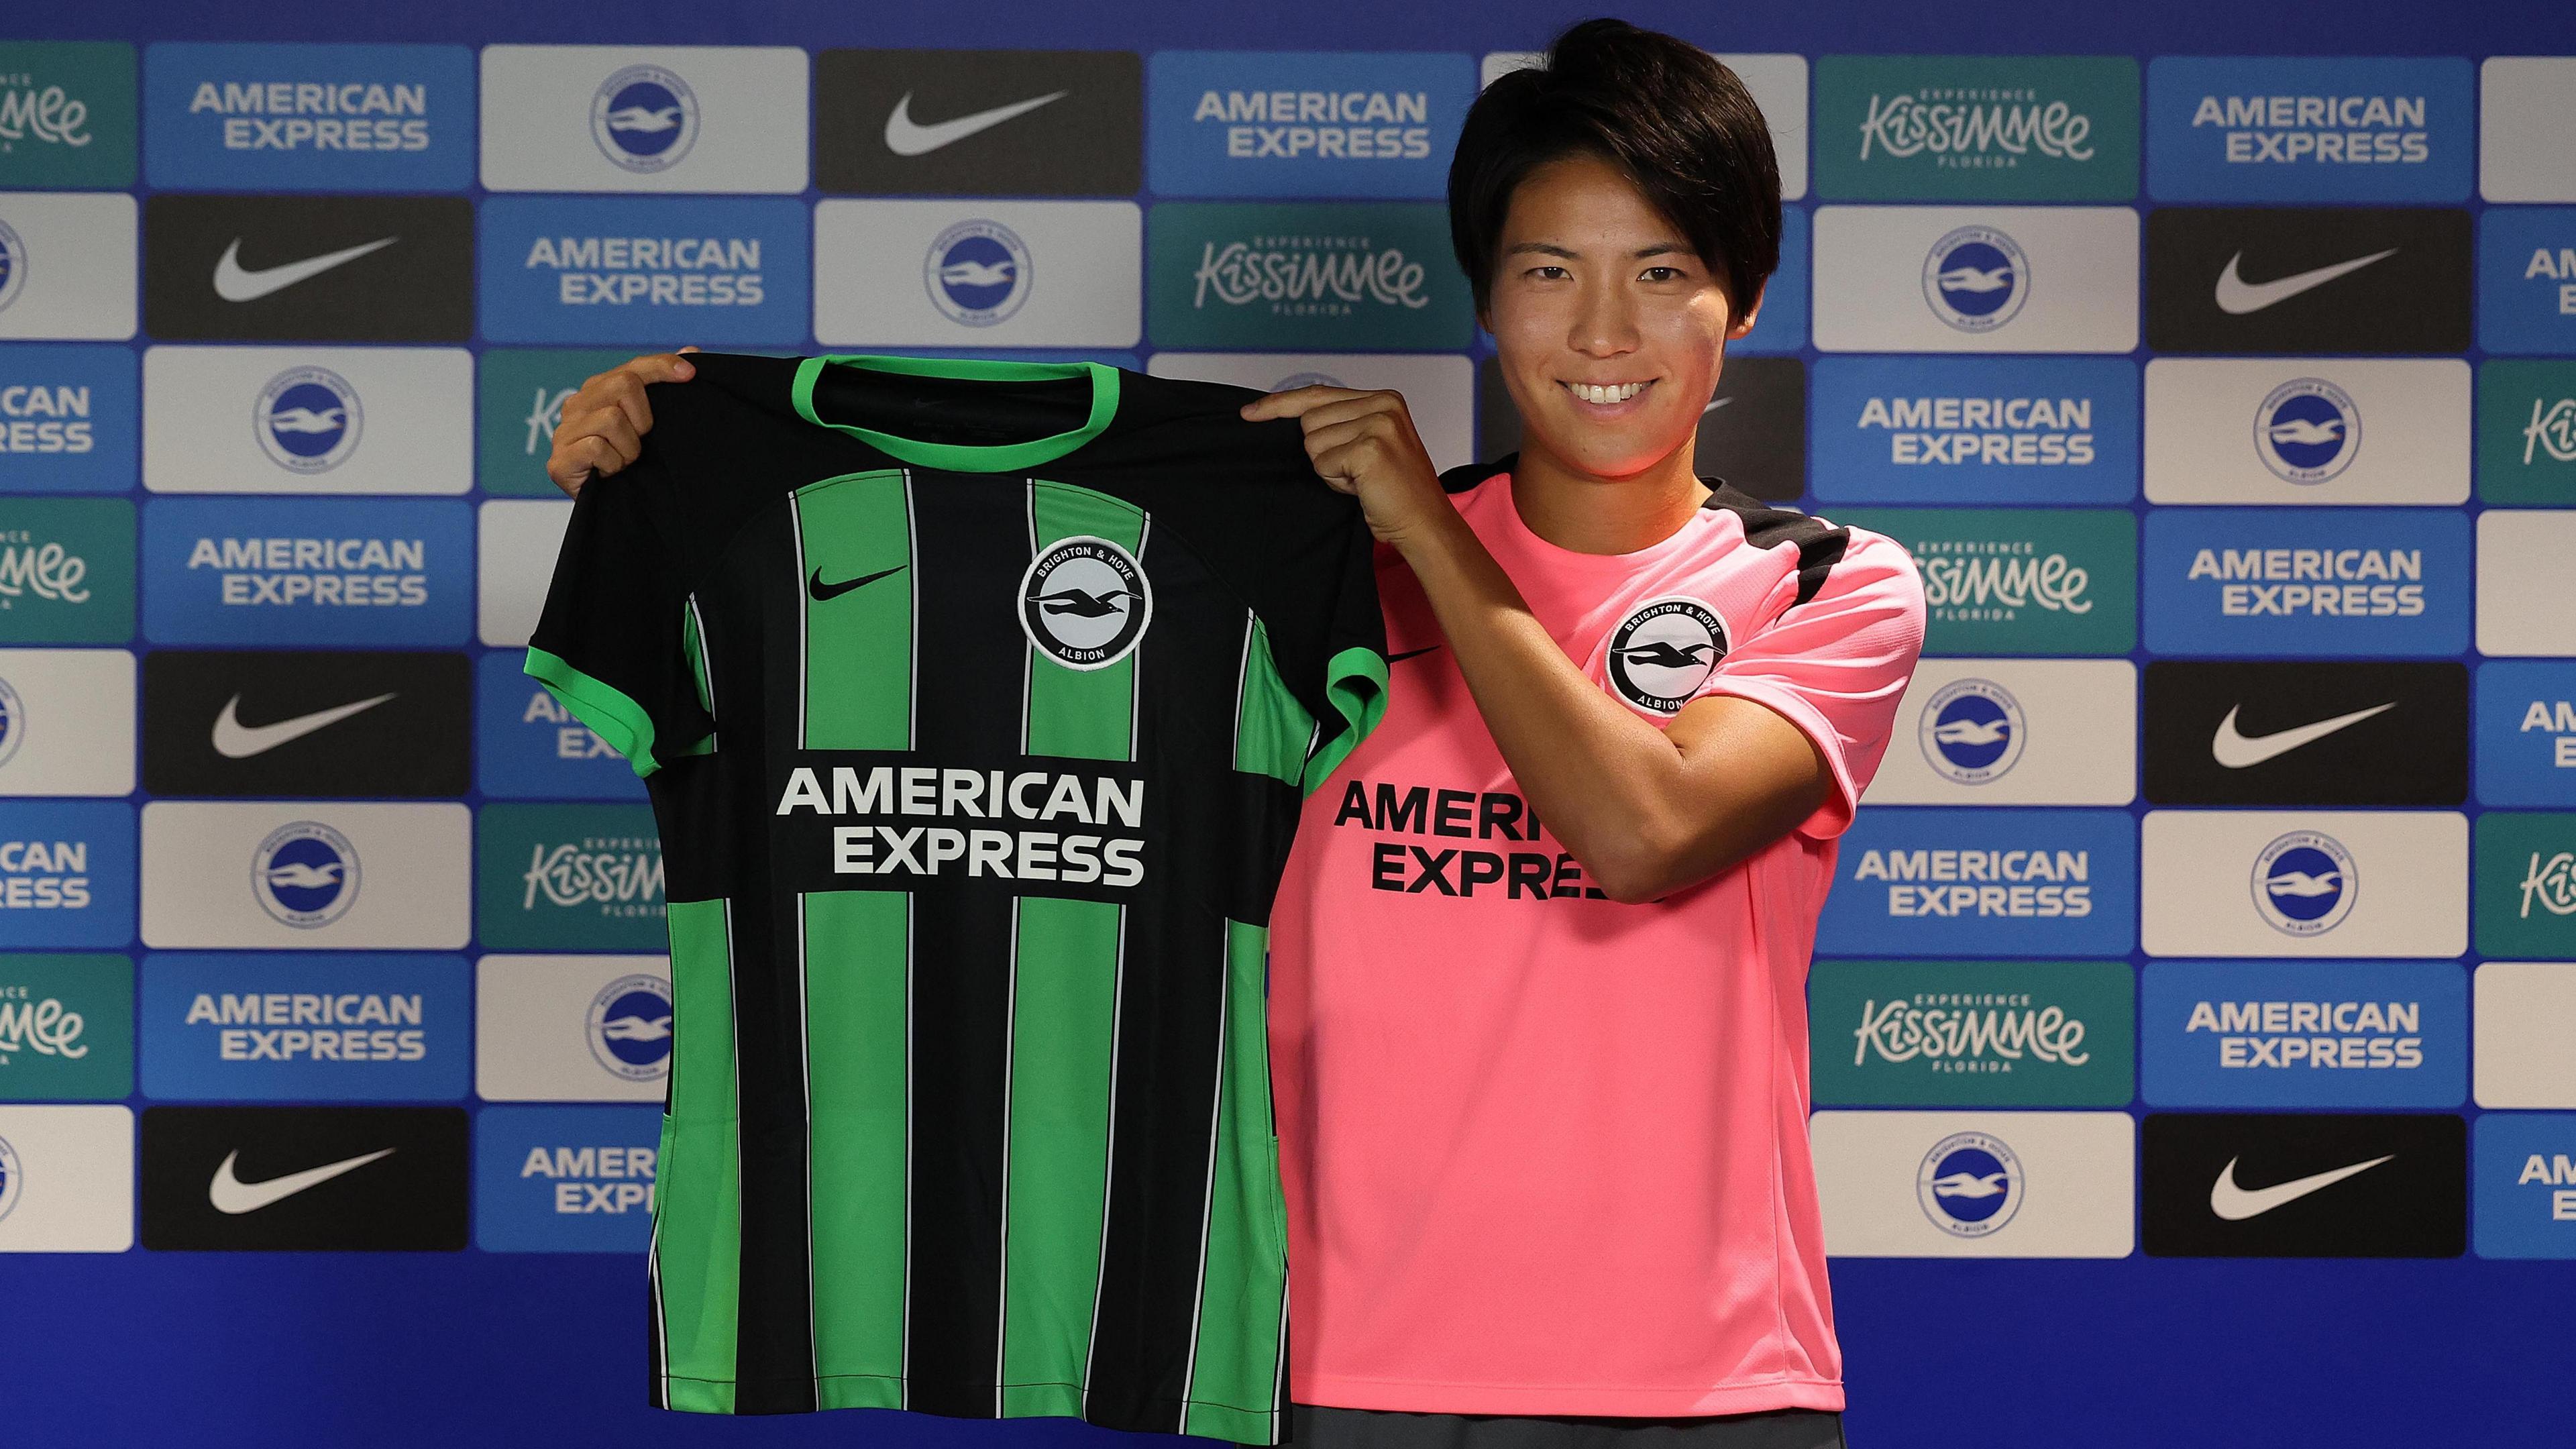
[[963, 457]]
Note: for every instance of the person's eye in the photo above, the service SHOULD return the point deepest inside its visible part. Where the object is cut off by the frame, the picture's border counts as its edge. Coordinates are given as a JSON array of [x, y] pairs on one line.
[[1547, 274], [1663, 274]]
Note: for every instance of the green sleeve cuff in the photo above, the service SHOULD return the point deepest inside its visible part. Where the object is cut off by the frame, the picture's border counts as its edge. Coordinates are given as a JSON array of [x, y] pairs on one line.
[[609, 713], [1355, 682]]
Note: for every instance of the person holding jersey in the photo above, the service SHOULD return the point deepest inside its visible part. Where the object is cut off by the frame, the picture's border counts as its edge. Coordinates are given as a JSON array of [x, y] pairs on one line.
[[1537, 1009]]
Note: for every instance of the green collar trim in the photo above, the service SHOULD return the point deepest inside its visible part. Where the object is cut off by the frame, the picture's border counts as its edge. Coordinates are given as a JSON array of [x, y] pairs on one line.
[[961, 457]]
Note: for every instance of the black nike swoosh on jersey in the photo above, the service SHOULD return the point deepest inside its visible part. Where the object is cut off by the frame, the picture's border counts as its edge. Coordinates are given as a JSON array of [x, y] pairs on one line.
[[824, 593], [1409, 653]]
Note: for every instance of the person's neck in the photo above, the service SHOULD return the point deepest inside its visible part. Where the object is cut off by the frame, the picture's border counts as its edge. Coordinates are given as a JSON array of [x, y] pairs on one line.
[[1586, 513]]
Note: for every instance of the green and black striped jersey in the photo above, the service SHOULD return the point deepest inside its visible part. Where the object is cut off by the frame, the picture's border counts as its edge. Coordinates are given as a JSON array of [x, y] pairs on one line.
[[976, 701]]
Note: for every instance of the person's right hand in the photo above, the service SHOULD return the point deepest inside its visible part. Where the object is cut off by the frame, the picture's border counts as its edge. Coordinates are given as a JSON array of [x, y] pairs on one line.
[[605, 422]]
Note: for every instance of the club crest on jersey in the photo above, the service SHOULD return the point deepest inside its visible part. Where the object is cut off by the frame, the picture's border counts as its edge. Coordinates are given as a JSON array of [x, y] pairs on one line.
[[13, 266], [12, 1176], [1664, 651], [2307, 430], [1084, 603], [630, 1027], [13, 722], [307, 419], [1307, 379], [977, 272], [1976, 278], [644, 118], [1969, 1184], [305, 874], [1972, 731], [2304, 883]]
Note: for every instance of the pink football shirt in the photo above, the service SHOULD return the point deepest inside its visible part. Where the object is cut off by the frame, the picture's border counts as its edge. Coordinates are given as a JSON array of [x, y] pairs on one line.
[[1545, 1153]]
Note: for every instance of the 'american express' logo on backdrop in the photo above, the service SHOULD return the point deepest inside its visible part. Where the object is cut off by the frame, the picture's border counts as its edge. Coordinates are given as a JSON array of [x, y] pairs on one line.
[[69, 419], [2525, 746], [2002, 430], [1991, 882], [528, 746], [644, 270], [2019, 580], [309, 117], [1286, 123], [565, 1179], [2527, 279], [66, 872], [307, 571], [344, 1028], [2307, 581], [2304, 1034], [2524, 1192], [2274, 128], [1977, 128]]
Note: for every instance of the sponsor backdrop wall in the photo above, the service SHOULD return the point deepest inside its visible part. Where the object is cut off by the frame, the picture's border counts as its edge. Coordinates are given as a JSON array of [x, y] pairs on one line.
[[2203, 964]]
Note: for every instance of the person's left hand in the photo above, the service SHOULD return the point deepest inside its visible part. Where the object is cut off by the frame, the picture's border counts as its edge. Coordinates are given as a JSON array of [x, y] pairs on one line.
[[1364, 444]]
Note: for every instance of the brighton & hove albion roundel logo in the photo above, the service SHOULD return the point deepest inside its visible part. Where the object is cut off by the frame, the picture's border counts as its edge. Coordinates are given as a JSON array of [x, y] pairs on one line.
[[1972, 731], [2307, 430], [305, 874], [1296, 380], [977, 272], [1969, 1184], [644, 118], [13, 722], [12, 1177], [307, 419], [2304, 883], [1976, 278], [1084, 603], [630, 1027], [13, 265], [1664, 651]]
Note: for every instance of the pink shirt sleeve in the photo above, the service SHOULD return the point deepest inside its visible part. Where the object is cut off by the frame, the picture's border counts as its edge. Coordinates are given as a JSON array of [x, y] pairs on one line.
[[1836, 664]]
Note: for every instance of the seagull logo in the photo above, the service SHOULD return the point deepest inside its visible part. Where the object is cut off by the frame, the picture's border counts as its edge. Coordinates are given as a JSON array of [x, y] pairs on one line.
[[2300, 885], [309, 420], [636, 1028], [1972, 1184], [303, 876], [1977, 279], [1087, 605], [978, 274], [1664, 654], [645, 120], [1972, 731], [2307, 432]]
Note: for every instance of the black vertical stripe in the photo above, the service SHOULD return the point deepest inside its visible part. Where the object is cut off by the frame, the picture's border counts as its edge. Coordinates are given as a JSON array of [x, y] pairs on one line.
[[1172, 999], [752, 645], [969, 682]]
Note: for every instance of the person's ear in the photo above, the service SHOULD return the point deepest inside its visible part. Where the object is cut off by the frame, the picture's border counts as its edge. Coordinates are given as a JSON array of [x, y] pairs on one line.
[[1742, 323]]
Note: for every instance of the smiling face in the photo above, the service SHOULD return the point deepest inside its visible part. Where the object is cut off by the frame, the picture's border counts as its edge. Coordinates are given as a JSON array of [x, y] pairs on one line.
[[1611, 328]]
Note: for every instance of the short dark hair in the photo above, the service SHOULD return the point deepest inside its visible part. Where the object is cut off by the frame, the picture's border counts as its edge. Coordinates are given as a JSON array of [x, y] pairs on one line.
[[1668, 114]]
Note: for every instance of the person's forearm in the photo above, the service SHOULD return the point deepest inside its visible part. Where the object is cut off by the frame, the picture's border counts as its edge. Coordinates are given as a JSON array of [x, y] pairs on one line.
[[1614, 789]]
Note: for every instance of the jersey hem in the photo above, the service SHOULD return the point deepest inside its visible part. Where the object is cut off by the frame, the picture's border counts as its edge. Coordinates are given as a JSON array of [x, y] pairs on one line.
[[1602, 1401], [1040, 1400], [606, 709]]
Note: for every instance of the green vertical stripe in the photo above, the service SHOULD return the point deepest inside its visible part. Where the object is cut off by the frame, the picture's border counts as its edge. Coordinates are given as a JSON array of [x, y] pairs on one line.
[[697, 1227], [1062, 1014], [1086, 713], [1234, 1370], [856, 955], [858, 641], [1272, 730], [1064, 1001]]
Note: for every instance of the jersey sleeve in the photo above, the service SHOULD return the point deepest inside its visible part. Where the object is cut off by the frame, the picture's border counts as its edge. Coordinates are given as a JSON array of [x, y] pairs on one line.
[[614, 642], [1352, 651], [1835, 663]]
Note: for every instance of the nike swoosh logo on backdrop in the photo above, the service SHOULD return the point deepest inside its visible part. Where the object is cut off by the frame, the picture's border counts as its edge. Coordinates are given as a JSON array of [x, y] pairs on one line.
[[232, 1196], [824, 593], [906, 137], [2236, 296], [2236, 751], [237, 741], [237, 283], [1714, 404], [2236, 1204]]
